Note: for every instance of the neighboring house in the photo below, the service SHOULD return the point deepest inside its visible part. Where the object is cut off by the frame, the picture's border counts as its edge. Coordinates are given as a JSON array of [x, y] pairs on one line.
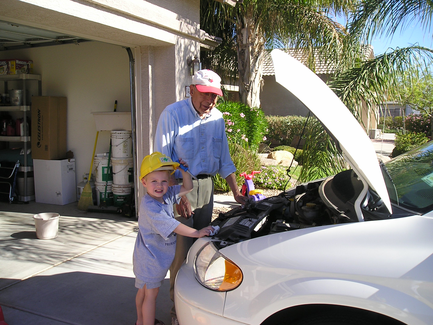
[[275, 100], [394, 109], [136, 51]]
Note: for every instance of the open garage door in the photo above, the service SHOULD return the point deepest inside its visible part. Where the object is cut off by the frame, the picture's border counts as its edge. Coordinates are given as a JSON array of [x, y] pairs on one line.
[[15, 36]]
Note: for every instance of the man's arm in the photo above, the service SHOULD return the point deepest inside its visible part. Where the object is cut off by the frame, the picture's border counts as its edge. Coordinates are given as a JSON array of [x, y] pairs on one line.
[[231, 180], [187, 182]]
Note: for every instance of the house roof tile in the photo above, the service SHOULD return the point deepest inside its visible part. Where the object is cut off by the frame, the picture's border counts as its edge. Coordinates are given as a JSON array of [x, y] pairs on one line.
[[301, 56]]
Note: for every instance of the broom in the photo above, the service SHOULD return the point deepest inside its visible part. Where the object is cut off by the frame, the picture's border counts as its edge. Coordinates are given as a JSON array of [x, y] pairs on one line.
[[86, 196]]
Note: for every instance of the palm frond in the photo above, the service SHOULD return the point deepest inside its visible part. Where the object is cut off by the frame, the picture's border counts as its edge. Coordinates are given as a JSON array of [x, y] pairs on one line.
[[384, 17], [320, 156], [373, 81]]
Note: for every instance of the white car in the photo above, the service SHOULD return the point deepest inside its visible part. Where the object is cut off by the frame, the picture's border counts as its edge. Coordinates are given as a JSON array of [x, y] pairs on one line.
[[355, 248]]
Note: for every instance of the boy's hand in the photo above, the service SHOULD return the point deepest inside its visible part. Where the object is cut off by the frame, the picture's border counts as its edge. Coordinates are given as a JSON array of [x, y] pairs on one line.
[[184, 168], [206, 231], [182, 162]]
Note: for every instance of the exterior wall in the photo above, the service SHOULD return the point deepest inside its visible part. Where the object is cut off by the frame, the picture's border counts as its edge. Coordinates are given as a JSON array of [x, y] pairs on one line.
[[369, 118], [276, 100], [393, 109], [162, 75]]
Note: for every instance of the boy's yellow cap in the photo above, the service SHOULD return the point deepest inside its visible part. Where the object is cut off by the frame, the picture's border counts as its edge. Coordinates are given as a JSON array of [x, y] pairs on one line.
[[156, 161]]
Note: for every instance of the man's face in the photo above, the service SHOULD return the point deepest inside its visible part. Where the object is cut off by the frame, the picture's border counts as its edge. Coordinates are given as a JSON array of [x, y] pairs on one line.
[[202, 102]]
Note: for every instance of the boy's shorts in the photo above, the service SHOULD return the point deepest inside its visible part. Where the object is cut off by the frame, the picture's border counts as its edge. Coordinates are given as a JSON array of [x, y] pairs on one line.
[[140, 284]]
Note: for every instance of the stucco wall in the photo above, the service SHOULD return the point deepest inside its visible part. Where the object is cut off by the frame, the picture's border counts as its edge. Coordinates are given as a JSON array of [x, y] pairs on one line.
[[276, 100]]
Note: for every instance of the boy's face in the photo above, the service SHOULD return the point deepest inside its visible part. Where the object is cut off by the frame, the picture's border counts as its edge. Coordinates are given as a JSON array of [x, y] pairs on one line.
[[156, 183]]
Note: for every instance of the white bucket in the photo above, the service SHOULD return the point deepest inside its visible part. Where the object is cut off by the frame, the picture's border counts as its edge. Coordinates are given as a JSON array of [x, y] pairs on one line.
[[102, 171], [122, 170], [121, 144], [121, 194], [47, 225], [100, 194]]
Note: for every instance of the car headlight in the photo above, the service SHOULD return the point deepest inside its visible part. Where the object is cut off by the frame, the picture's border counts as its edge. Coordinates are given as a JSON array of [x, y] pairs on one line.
[[214, 271]]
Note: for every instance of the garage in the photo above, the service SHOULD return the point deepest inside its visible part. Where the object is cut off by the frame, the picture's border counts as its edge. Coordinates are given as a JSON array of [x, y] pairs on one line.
[[95, 53], [91, 75]]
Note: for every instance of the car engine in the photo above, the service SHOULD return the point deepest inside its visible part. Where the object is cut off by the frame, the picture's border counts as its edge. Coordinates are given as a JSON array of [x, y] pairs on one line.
[[339, 199]]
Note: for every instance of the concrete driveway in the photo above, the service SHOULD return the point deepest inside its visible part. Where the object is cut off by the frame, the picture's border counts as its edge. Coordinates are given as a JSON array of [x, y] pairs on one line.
[[82, 277]]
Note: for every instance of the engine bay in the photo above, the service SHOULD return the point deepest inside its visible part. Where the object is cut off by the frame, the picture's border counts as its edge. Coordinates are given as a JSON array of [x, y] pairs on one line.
[[339, 199]]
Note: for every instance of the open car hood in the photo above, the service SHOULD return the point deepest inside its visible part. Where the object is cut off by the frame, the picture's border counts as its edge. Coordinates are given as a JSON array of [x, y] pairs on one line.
[[356, 146]]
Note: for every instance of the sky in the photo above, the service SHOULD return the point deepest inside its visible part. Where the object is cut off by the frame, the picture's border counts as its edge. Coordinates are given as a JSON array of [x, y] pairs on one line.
[[410, 35]]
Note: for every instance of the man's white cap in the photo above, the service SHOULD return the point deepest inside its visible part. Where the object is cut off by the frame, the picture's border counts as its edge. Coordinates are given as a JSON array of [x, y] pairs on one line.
[[207, 81]]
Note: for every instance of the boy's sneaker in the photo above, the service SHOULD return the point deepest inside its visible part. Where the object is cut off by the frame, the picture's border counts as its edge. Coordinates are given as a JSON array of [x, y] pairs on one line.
[[174, 321]]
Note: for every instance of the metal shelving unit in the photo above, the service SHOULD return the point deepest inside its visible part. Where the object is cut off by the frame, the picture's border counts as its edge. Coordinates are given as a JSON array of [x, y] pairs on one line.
[[22, 81]]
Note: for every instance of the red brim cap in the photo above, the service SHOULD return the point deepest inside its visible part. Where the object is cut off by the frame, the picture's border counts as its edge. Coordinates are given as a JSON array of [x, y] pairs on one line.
[[209, 89]]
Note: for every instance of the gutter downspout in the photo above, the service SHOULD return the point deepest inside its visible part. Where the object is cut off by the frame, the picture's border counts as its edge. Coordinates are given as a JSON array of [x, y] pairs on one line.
[[133, 128]]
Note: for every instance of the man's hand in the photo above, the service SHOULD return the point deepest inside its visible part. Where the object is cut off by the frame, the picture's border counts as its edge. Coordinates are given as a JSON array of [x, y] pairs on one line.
[[240, 198], [184, 208], [231, 180]]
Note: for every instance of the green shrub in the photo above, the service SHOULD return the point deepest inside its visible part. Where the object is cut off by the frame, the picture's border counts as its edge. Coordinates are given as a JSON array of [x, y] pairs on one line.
[[245, 125], [418, 124], [387, 120], [282, 130], [405, 142], [391, 123], [245, 160], [398, 122], [272, 177]]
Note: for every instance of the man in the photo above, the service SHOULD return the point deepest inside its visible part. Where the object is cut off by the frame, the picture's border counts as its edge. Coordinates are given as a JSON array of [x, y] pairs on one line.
[[194, 130]]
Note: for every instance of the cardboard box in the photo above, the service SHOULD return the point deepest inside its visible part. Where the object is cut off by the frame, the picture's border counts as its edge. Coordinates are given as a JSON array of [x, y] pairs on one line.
[[14, 66], [55, 181], [48, 131]]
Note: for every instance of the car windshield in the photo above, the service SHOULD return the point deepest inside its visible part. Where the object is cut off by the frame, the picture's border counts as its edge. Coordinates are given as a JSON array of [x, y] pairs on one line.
[[409, 179]]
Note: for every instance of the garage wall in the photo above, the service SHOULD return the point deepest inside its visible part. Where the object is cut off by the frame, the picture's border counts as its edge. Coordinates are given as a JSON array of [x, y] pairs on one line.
[[92, 76]]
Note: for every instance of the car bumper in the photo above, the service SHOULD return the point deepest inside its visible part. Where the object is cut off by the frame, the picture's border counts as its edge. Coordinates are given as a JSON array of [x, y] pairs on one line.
[[190, 310], [192, 315]]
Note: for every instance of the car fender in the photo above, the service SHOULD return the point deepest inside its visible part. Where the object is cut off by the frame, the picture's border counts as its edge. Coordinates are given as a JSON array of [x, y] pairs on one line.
[[337, 292], [303, 267]]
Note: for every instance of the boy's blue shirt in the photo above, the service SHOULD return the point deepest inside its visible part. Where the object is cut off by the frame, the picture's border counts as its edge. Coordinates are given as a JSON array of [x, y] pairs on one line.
[[156, 242]]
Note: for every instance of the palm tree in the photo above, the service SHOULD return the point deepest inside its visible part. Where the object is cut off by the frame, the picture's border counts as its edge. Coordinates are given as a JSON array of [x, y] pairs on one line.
[[373, 81], [255, 25]]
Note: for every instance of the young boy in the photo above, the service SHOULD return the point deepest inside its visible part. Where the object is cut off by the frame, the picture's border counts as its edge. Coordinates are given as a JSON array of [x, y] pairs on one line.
[[156, 239]]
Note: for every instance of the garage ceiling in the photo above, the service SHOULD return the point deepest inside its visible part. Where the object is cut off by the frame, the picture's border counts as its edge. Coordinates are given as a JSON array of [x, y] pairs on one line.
[[15, 36]]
